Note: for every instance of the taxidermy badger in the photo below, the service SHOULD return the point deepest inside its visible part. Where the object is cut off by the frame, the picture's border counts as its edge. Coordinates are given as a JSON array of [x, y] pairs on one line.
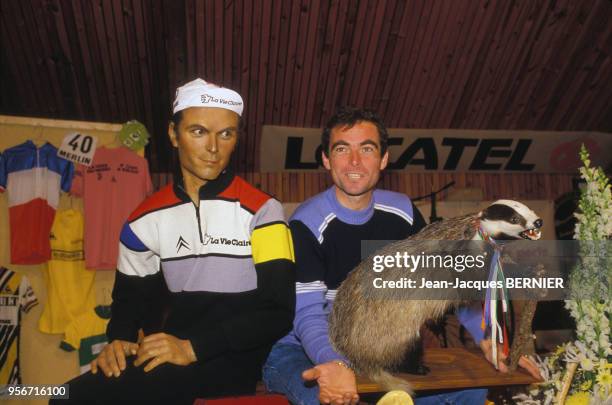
[[375, 333]]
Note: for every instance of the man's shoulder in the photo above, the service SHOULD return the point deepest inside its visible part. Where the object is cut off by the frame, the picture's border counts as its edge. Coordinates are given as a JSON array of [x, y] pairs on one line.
[[162, 199], [316, 207], [250, 197], [314, 213], [394, 203]]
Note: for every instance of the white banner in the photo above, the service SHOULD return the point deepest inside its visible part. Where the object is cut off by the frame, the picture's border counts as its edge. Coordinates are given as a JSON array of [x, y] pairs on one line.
[[447, 150]]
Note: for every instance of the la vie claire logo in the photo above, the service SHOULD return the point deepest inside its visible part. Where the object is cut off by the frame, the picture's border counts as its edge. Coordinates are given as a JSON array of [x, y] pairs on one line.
[[214, 240]]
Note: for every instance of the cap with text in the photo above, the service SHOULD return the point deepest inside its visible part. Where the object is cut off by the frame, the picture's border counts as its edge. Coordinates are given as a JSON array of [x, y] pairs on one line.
[[199, 93]]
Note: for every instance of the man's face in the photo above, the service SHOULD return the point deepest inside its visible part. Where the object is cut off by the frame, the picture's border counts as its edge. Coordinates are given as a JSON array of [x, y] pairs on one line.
[[205, 138], [354, 159]]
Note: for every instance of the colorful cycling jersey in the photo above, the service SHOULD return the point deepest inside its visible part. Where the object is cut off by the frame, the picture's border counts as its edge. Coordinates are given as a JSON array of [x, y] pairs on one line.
[[228, 263], [33, 177], [16, 296]]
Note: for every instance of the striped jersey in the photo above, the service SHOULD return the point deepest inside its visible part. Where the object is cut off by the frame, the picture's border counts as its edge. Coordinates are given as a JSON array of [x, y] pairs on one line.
[[227, 263], [16, 296], [327, 238], [33, 178]]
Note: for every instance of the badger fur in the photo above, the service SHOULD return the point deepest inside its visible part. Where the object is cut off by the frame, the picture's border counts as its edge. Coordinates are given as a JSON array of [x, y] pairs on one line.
[[374, 333]]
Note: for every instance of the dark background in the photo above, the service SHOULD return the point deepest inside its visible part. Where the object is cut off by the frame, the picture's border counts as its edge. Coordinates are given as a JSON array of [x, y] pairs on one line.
[[499, 64]]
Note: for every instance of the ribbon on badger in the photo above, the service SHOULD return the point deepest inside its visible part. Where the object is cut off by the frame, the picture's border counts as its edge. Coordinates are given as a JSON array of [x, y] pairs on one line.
[[489, 318]]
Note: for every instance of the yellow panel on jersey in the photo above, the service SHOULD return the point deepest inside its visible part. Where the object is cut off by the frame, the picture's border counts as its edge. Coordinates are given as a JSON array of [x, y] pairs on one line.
[[271, 242], [69, 284]]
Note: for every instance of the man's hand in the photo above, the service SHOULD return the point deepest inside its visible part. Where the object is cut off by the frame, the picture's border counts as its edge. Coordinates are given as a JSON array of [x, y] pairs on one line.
[[163, 348], [111, 359], [525, 362], [337, 384]]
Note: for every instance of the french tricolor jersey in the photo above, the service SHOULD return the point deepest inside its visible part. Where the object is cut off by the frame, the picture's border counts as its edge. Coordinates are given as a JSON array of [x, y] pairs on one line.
[[33, 178]]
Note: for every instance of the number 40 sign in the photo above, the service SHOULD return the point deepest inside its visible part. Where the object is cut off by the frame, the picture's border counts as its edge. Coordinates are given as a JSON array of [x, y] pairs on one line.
[[78, 148]]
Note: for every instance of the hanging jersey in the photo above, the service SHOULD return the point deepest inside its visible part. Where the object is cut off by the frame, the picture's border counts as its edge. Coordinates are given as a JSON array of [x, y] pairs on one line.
[[33, 178], [112, 187], [16, 296], [70, 288], [87, 333]]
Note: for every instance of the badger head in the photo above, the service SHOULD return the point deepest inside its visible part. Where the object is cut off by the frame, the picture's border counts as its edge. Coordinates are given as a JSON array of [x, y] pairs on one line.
[[508, 219]]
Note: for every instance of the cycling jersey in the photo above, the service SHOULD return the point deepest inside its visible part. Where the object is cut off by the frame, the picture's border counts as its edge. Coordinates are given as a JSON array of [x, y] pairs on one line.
[[70, 288], [33, 177], [16, 296], [112, 187], [227, 262]]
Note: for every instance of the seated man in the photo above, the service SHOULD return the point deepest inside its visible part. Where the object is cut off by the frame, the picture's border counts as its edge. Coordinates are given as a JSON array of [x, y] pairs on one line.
[[327, 232], [225, 253]]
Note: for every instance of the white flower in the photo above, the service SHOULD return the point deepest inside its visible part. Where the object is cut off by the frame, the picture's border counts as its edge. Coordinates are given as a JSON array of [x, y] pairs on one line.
[[523, 399], [604, 341], [573, 354], [549, 396], [604, 322], [586, 364], [589, 305]]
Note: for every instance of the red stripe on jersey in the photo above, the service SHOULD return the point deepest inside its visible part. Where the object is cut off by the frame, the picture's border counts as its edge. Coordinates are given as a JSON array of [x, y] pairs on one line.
[[163, 198], [250, 197], [30, 225]]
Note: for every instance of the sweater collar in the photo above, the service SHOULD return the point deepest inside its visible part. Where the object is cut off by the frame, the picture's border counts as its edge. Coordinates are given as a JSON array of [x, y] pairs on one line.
[[209, 190], [347, 215], [31, 145]]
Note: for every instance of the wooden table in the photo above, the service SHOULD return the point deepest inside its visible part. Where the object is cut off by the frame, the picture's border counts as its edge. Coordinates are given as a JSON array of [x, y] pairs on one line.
[[455, 368]]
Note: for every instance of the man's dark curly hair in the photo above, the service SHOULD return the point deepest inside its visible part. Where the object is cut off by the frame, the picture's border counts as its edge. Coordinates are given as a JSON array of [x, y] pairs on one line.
[[348, 117]]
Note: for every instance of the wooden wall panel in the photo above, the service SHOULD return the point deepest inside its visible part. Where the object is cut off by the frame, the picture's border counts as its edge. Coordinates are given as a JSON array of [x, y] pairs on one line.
[[297, 187], [477, 64]]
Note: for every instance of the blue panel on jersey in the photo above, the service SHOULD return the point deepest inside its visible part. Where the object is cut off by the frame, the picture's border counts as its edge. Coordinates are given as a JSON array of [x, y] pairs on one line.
[[2, 173], [130, 240]]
